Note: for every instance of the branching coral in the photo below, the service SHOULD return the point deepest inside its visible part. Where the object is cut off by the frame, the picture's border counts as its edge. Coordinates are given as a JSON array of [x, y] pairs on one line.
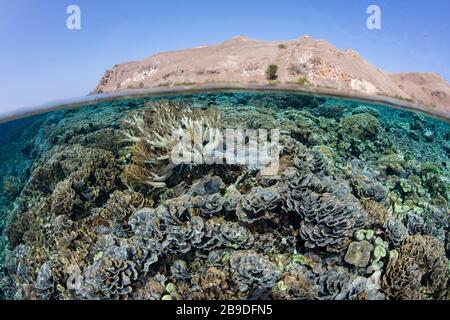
[[419, 272], [166, 134]]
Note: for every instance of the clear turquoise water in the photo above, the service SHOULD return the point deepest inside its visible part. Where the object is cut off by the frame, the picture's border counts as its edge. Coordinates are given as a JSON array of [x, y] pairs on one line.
[[419, 140]]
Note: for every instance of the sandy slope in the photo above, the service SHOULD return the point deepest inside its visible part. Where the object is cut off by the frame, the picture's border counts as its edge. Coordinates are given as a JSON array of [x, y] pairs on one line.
[[305, 61]]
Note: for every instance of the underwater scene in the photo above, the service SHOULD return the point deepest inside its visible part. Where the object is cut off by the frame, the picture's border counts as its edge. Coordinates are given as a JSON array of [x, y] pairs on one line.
[[312, 198]]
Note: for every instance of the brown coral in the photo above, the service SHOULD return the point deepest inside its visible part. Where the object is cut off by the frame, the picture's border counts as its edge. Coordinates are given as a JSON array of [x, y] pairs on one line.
[[376, 212], [419, 272], [296, 285]]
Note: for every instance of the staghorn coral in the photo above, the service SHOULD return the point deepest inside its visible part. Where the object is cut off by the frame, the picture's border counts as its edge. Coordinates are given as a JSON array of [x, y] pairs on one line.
[[156, 132], [419, 272]]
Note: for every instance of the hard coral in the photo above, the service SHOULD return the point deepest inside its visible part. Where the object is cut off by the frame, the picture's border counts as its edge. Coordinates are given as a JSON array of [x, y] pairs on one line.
[[156, 133], [297, 284], [360, 126], [376, 212], [110, 278], [395, 231], [338, 284], [329, 222], [259, 204], [419, 272], [253, 271], [329, 212]]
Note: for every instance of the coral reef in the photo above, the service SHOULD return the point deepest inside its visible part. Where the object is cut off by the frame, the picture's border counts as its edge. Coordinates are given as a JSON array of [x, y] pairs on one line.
[[156, 132], [419, 271], [358, 253], [93, 206]]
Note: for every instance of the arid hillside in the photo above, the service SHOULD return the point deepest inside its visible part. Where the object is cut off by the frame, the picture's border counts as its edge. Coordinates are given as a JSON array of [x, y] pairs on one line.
[[307, 62]]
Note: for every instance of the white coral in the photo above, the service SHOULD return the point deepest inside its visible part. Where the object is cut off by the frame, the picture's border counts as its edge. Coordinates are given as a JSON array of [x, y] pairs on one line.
[[172, 135]]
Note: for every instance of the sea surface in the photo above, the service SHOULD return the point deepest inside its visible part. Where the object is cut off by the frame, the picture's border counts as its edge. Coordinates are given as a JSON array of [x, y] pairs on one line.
[[358, 208]]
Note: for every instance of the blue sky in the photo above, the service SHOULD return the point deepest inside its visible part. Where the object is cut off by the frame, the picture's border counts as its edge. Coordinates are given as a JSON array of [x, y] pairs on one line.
[[41, 60]]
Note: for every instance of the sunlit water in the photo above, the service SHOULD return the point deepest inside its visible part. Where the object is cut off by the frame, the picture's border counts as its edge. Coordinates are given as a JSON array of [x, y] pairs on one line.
[[405, 152]]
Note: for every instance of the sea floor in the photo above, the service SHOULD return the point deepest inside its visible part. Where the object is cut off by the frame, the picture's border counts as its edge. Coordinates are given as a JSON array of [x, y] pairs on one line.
[[92, 207]]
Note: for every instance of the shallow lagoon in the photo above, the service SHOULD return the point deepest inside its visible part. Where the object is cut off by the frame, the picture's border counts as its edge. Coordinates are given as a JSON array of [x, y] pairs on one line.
[[358, 209]]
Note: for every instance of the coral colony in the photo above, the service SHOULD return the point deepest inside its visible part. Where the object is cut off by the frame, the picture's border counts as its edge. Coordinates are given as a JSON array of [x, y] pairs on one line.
[[229, 195]]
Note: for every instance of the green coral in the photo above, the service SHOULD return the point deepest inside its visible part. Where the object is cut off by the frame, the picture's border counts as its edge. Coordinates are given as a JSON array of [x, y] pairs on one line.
[[360, 126]]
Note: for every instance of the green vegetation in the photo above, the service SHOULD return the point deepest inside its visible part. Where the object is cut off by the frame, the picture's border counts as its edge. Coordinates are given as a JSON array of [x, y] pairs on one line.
[[303, 81], [164, 84], [271, 72], [185, 83]]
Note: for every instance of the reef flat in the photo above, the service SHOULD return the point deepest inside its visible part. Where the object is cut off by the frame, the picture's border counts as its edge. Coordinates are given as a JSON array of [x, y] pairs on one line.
[[92, 207]]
